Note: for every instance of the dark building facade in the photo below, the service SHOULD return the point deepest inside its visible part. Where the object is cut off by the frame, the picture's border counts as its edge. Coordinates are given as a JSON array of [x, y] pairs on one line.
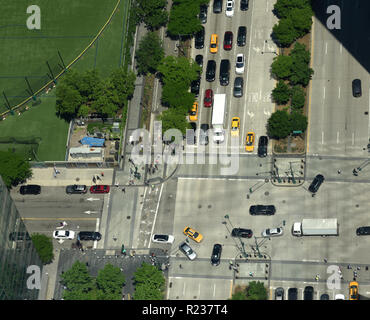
[[17, 252]]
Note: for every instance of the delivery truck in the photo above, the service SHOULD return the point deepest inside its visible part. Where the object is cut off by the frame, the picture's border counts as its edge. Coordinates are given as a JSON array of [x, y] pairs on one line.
[[218, 117], [316, 227]]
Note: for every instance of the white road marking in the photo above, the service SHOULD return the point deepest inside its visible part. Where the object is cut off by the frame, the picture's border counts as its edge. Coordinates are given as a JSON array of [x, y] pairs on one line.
[[326, 48], [183, 288], [322, 137], [337, 137], [324, 93], [339, 93], [156, 212], [353, 138], [214, 289]]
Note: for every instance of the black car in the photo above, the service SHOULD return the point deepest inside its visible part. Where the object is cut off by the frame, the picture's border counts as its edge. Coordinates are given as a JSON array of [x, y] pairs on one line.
[[363, 231], [324, 296], [267, 210], [279, 293], [199, 60], [292, 294], [262, 146], [316, 183], [356, 88], [195, 86], [19, 236], [217, 6], [224, 72], [203, 137], [211, 70], [244, 5], [238, 87], [243, 233], [30, 189], [203, 14], [216, 254], [308, 293], [75, 188], [242, 36], [88, 235], [199, 39]]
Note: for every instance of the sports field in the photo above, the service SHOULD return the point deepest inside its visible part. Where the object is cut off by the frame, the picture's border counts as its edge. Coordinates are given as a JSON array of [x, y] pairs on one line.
[[67, 26]]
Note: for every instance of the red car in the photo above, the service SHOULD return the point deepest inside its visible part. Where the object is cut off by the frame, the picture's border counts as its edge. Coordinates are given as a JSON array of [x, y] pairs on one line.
[[228, 40], [208, 98], [99, 189]]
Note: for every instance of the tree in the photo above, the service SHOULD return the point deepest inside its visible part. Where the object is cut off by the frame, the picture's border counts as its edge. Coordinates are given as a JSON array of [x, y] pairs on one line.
[[301, 73], [122, 83], [109, 282], [240, 295], [176, 96], [298, 97], [284, 32], [300, 53], [80, 285], [281, 93], [44, 247], [13, 168], [174, 119], [68, 100], [149, 54], [283, 8], [279, 125], [256, 291], [153, 13], [301, 19], [298, 121], [149, 283], [281, 67], [83, 111]]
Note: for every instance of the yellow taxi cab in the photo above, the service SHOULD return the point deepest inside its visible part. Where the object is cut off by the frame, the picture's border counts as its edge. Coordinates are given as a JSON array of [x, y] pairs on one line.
[[192, 234], [353, 290], [235, 126], [193, 114], [213, 48], [249, 142]]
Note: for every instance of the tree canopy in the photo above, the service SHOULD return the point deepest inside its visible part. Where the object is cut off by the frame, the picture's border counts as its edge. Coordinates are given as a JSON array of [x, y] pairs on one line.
[[13, 168], [278, 125], [281, 67], [44, 247], [153, 13], [149, 283], [281, 93], [256, 291]]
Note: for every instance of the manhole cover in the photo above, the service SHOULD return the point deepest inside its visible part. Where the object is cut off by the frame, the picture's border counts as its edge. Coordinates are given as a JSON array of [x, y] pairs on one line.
[[357, 205], [128, 217], [267, 193], [77, 179]]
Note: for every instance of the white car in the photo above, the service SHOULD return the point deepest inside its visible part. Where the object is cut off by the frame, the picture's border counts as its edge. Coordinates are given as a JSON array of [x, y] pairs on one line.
[[239, 67], [64, 234], [272, 232], [229, 8], [163, 238], [339, 296]]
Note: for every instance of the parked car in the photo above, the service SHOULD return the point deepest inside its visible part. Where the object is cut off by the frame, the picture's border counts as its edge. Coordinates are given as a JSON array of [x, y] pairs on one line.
[[235, 126], [89, 235], [30, 189], [208, 98], [199, 60], [224, 72], [249, 142], [203, 14], [262, 146], [217, 6], [324, 296], [239, 65], [238, 87], [242, 233], [63, 234], [213, 46], [266, 210], [292, 294], [228, 40], [229, 8], [316, 183], [188, 251], [216, 254], [19, 236], [279, 293], [163, 238], [353, 290], [193, 114], [199, 39], [244, 5], [76, 189], [363, 231], [203, 137], [211, 70], [193, 234], [195, 86], [308, 293], [100, 188], [274, 232], [356, 88], [339, 296], [242, 36]]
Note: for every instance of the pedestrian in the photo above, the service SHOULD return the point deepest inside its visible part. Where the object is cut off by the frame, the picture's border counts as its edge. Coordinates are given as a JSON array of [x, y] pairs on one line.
[[180, 266], [358, 268], [325, 260], [339, 171], [102, 174], [349, 267], [124, 190]]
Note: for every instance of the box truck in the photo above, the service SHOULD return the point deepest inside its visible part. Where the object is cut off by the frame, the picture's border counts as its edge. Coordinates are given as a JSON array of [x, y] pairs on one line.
[[316, 227], [218, 117]]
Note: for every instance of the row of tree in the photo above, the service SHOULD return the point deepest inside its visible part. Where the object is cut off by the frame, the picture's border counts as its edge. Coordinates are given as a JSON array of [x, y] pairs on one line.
[[254, 291], [152, 13], [80, 285], [14, 169], [79, 94], [281, 123], [295, 20]]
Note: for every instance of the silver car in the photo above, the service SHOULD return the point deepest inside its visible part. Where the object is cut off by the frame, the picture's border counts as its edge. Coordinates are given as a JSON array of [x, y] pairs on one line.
[[185, 248], [272, 232]]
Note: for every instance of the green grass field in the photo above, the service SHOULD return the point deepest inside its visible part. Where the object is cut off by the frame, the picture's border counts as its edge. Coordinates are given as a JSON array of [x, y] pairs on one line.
[[67, 26]]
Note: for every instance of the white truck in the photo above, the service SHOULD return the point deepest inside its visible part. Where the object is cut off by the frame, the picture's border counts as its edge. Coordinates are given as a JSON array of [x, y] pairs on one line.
[[218, 117], [316, 227]]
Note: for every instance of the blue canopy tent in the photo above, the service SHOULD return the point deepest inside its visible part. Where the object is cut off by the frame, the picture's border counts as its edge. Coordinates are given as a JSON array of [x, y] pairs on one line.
[[92, 142]]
